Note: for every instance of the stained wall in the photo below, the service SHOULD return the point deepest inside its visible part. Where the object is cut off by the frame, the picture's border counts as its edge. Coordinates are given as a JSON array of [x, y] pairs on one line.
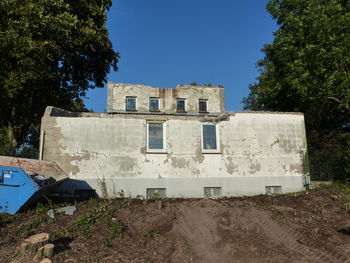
[[256, 149]]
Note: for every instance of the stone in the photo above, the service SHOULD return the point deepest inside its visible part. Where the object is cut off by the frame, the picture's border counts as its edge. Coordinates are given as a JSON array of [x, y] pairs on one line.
[[67, 210]]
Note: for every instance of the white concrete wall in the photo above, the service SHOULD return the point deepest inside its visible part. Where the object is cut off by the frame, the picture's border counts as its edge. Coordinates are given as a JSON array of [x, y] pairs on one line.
[[256, 150]]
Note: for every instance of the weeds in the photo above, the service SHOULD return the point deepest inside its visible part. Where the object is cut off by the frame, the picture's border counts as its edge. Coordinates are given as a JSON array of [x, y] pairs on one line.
[[344, 230], [101, 214], [56, 234]]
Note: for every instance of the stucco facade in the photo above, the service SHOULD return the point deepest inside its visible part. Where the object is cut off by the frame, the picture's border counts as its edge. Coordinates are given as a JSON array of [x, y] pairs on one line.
[[248, 153]]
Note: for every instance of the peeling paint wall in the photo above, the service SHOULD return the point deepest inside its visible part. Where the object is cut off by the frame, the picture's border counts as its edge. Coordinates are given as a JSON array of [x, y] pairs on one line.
[[112, 147], [117, 93]]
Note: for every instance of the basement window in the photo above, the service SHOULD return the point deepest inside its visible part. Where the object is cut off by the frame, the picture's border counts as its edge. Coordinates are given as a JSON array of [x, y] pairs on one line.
[[212, 192], [130, 103], [203, 106], [209, 138], [180, 105], [154, 104], [155, 137], [273, 190], [156, 192]]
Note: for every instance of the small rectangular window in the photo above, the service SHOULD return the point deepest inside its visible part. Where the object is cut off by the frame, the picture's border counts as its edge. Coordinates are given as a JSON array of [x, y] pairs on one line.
[[154, 104], [203, 106], [212, 192], [155, 137], [156, 192], [180, 105], [209, 137], [130, 103], [273, 190]]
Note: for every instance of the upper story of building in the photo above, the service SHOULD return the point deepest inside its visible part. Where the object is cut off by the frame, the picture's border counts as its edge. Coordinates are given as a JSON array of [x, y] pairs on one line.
[[185, 99]]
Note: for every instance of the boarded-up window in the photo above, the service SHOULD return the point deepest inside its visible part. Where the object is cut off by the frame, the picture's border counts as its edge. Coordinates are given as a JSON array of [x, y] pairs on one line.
[[155, 136], [156, 192], [273, 190], [130, 103], [209, 137], [212, 192]]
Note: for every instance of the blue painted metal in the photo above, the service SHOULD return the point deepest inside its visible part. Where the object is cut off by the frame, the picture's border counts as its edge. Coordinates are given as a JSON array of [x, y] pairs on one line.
[[17, 189]]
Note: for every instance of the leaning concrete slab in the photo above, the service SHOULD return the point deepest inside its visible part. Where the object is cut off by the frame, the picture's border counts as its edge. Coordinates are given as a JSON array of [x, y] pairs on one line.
[[47, 168]]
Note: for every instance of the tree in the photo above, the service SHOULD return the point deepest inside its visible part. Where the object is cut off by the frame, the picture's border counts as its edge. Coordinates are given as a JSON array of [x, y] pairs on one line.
[[307, 68], [51, 52]]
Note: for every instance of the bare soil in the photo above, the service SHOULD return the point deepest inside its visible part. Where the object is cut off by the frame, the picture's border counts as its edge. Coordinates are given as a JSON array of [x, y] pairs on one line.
[[299, 227]]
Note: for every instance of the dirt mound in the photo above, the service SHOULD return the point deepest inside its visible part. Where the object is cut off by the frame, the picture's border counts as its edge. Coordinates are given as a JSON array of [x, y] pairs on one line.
[[288, 228]]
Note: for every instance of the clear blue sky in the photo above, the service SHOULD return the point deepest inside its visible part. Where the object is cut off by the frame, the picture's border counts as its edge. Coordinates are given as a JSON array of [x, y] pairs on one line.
[[168, 42]]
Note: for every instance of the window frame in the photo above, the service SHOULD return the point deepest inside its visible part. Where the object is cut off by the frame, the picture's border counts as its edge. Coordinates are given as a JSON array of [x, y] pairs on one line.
[[126, 103], [149, 103], [213, 188], [181, 99], [270, 188], [149, 190], [206, 105], [163, 150], [217, 134]]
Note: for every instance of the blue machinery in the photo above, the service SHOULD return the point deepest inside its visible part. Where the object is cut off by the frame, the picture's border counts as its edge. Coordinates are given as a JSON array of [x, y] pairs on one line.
[[19, 189]]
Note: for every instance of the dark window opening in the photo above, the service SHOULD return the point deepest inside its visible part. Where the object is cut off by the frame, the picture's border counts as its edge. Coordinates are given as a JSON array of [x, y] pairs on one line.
[[203, 106], [130, 103], [154, 104], [180, 105]]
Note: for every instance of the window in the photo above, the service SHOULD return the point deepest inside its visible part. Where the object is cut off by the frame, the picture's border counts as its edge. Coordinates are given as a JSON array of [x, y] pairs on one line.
[[155, 137], [212, 192], [273, 190], [203, 106], [180, 105], [154, 104], [130, 103], [209, 137], [156, 192]]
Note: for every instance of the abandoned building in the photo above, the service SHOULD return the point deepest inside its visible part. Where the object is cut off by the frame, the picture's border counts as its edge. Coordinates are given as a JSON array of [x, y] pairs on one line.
[[175, 143]]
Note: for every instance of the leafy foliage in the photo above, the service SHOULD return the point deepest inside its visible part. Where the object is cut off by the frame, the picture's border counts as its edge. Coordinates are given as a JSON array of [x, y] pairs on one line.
[[307, 68], [51, 52]]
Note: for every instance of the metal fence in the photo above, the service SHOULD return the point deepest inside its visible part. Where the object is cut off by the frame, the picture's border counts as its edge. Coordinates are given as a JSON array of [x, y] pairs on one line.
[[326, 165]]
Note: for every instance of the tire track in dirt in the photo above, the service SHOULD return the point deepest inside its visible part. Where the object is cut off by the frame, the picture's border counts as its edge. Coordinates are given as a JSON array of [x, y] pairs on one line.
[[195, 224], [201, 224], [292, 239]]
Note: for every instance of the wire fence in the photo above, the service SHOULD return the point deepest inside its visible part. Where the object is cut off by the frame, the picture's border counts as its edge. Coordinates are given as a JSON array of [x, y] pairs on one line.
[[326, 165]]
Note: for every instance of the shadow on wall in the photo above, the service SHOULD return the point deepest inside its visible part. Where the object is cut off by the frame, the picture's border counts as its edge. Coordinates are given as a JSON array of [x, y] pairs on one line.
[[75, 189]]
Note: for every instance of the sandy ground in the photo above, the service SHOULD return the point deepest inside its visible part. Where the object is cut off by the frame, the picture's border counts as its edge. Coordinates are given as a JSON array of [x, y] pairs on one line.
[[288, 228]]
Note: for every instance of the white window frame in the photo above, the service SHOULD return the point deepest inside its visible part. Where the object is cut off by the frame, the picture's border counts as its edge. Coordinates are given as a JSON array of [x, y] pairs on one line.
[[149, 103], [126, 103], [148, 150], [185, 108], [217, 150], [149, 190], [213, 196], [206, 105]]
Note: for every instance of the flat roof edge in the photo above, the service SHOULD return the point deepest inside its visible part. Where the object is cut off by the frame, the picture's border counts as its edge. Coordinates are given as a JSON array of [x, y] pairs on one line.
[[57, 112]]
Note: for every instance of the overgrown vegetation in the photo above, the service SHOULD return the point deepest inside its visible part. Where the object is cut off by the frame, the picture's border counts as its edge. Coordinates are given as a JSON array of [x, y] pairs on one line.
[[307, 69], [51, 53]]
